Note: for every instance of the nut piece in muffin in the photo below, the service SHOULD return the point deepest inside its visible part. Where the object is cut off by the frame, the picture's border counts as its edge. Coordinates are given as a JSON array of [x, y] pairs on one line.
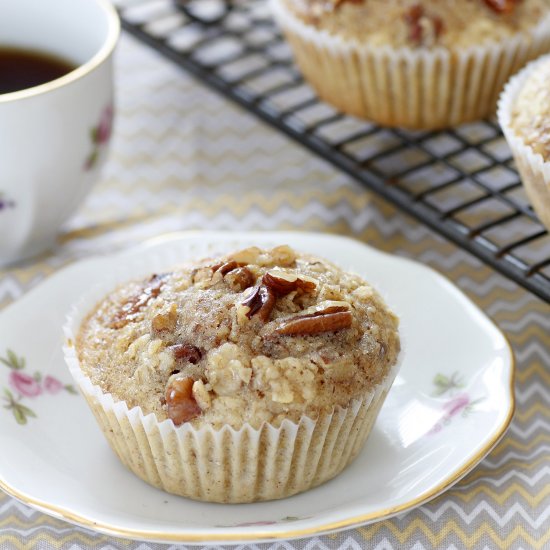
[[415, 63], [280, 347], [524, 114]]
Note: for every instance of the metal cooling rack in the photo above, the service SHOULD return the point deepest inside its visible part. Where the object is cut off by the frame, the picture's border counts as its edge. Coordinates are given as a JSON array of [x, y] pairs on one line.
[[459, 182]]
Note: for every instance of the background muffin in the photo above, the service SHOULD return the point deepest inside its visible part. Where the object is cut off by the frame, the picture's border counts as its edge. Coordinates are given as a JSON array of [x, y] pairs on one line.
[[419, 64], [524, 115], [250, 377]]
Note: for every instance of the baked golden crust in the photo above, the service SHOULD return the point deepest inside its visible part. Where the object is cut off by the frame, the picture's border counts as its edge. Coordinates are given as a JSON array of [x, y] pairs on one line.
[[262, 335], [452, 24]]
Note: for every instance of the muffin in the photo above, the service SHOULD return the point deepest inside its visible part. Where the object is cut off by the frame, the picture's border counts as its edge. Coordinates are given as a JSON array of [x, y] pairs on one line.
[[417, 64], [252, 376], [524, 115]]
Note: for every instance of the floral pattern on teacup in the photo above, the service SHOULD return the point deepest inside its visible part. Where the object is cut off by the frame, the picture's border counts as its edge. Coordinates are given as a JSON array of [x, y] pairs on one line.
[[23, 386], [5, 203], [458, 403], [100, 136]]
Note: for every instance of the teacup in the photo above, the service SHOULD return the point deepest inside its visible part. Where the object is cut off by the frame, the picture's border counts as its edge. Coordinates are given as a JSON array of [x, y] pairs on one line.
[[53, 137]]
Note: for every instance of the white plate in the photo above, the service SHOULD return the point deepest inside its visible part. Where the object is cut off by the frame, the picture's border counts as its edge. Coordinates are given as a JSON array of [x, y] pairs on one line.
[[450, 404]]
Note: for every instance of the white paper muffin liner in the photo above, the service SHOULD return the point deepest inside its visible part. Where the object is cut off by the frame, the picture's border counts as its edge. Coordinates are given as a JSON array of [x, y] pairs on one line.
[[533, 169], [227, 465], [413, 88]]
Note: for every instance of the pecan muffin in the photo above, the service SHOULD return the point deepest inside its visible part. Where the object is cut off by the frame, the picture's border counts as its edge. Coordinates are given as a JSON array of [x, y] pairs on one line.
[[420, 64], [248, 377], [524, 115]]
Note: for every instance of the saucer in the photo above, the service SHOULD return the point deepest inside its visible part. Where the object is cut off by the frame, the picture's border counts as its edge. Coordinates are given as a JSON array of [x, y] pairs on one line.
[[450, 404]]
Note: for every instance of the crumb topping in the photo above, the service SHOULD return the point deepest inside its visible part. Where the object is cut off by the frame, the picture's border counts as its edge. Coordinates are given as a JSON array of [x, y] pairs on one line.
[[258, 335], [422, 23]]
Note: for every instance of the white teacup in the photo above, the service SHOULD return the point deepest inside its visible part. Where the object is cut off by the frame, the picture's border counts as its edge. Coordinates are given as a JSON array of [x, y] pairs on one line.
[[54, 136]]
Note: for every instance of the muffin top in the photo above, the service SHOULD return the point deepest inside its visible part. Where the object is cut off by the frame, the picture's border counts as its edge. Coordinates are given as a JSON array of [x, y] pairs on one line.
[[530, 117], [257, 335], [451, 24]]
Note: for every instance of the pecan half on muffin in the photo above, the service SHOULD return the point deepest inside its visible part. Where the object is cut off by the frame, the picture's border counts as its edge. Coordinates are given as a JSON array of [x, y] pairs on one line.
[[252, 376]]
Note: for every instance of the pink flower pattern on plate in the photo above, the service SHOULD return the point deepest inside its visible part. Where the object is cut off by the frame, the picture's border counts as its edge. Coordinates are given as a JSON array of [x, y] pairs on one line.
[[53, 385], [458, 404], [27, 386]]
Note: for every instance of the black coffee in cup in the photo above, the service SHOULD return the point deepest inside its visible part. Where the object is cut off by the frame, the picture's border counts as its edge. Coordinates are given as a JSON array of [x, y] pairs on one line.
[[23, 68]]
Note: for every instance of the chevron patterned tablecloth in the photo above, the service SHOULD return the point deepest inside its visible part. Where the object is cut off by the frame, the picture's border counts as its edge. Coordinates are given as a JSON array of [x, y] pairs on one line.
[[184, 158]]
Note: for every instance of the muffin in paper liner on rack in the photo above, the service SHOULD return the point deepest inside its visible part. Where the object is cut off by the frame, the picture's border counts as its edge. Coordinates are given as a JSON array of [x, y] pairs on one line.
[[252, 376], [420, 64], [524, 116]]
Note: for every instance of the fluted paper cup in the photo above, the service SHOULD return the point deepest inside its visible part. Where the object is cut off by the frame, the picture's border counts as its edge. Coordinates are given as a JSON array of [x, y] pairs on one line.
[[533, 169], [413, 88], [225, 465]]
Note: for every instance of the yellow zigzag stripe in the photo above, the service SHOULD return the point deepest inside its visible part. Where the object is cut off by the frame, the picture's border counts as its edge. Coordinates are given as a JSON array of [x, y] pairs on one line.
[[497, 293], [144, 216], [223, 187], [303, 177], [227, 182], [270, 204], [172, 108], [285, 192], [196, 133], [220, 150], [269, 201], [535, 368], [487, 492], [207, 211], [451, 529], [531, 331], [49, 540], [462, 270], [509, 443], [273, 203], [389, 244], [110, 227], [525, 415], [16, 522], [495, 473], [535, 305]]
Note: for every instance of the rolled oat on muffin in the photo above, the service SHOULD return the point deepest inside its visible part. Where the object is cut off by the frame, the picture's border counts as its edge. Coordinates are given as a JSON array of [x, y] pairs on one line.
[[420, 64], [252, 376]]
